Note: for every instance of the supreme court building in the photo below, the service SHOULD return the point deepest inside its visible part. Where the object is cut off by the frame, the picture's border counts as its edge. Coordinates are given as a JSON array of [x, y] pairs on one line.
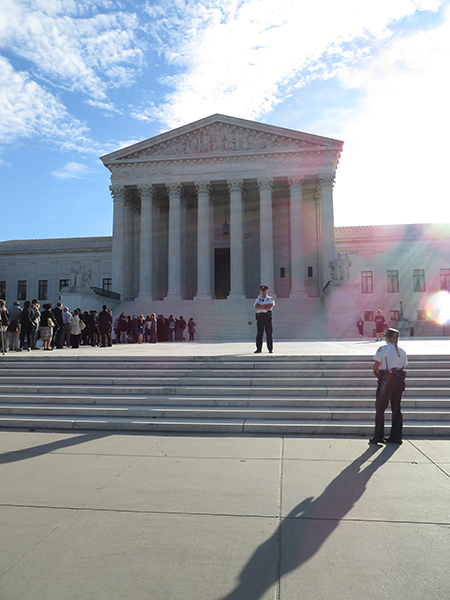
[[206, 213], [218, 207]]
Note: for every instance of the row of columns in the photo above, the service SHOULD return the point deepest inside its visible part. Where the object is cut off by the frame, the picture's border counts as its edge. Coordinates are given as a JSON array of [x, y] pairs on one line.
[[204, 233]]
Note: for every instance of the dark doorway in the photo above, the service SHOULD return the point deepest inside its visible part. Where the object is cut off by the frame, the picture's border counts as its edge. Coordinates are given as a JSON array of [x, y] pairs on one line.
[[221, 272]]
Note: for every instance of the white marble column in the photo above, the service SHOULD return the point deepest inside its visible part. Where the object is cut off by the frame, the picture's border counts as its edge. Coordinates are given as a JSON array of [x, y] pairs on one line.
[[203, 241], [327, 250], [298, 289], [266, 232], [174, 291], [118, 250], [235, 187], [129, 241], [146, 241]]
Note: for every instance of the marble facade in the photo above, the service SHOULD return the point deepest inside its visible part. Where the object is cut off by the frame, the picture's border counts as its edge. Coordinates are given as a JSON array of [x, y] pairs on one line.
[[215, 208]]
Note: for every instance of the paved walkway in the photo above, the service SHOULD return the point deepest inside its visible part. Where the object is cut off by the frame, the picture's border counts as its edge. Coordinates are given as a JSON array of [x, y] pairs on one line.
[[104, 516], [358, 346], [195, 517]]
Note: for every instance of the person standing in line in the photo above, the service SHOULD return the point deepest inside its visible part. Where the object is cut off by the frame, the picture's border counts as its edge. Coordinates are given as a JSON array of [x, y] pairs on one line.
[[153, 328], [67, 321], [59, 332], [380, 323], [360, 326], [105, 321], [26, 326], [264, 305], [191, 329], [75, 329], [15, 312], [36, 323], [48, 323], [390, 361], [4, 321], [182, 326]]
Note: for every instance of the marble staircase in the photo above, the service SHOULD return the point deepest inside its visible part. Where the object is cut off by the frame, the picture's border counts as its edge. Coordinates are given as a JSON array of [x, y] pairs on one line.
[[250, 394]]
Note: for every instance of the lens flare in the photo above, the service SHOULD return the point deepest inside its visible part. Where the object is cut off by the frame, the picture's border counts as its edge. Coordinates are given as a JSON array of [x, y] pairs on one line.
[[438, 307]]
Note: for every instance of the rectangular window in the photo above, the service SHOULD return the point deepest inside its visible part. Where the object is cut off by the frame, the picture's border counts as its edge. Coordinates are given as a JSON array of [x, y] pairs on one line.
[[418, 280], [43, 289], [107, 282], [21, 290], [421, 315], [310, 272], [282, 272], [445, 279], [395, 315], [368, 315], [3, 290], [63, 283], [392, 282], [366, 282]]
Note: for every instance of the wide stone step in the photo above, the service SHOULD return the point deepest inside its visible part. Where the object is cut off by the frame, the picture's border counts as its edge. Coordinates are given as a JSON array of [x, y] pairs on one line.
[[218, 382], [353, 403], [36, 375], [215, 412], [275, 426], [211, 394]]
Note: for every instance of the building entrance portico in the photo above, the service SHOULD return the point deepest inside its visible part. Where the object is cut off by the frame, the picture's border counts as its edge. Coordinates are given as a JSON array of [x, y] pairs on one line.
[[220, 206]]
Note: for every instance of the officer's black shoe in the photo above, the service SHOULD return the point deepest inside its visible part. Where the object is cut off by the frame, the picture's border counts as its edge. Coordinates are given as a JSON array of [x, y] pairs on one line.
[[257, 352], [376, 442], [270, 351], [389, 441]]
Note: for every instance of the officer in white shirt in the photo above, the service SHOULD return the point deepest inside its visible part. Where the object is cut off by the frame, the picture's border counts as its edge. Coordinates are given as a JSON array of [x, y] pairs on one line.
[[390, 361], [264, 305]]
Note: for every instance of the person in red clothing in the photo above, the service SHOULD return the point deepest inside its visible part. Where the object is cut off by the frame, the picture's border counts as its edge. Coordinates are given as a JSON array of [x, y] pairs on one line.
[[380, 323]]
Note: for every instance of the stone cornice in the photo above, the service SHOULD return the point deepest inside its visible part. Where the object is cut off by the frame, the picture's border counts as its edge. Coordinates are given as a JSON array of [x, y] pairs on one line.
[[62, 244], [368, 234], [321, 161]]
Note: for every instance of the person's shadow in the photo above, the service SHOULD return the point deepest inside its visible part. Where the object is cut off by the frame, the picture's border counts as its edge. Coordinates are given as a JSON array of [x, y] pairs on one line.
[[303, 531]]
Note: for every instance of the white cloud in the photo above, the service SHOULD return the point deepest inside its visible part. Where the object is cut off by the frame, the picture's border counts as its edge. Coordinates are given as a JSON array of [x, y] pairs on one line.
[[71, 44], [395, 158], [242, 58], [27, 110], [72, 170]]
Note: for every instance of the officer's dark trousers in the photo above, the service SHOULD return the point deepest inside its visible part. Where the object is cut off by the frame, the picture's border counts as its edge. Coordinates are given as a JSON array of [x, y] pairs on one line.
[[390, 388], [264, 322]]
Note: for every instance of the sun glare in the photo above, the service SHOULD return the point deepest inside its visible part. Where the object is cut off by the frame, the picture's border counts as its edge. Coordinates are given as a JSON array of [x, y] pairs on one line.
[[438, 307]]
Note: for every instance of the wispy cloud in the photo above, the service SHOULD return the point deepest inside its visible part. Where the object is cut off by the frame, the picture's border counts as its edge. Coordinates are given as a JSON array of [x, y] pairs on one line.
[[27, 110], [395, 156], [72, 44], [72, 170], [243, 58]]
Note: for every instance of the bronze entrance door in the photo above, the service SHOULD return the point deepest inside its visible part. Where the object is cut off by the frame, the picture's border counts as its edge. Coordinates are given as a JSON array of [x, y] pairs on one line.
[[221, 272]]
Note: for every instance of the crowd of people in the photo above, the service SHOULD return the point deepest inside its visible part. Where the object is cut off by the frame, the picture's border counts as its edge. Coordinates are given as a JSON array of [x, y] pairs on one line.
[[58, 327], [152, 329]]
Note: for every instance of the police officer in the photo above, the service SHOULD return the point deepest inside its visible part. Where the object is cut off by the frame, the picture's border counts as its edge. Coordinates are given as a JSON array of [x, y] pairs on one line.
[[390, 361], [264, 305]]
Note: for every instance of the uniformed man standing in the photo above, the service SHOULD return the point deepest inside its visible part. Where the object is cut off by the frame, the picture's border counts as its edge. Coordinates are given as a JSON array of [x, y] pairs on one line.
[[389, 365], [264, 305]]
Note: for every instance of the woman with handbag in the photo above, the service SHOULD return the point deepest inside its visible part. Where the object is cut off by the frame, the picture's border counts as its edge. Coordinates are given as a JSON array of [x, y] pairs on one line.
[[48, 322]]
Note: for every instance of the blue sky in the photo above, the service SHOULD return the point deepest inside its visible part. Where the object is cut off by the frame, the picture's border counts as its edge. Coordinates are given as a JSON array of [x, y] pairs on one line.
[[82, 78]]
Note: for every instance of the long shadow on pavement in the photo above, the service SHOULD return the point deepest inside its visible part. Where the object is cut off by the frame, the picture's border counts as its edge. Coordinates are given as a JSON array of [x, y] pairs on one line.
[[40, 449], [306, 528]]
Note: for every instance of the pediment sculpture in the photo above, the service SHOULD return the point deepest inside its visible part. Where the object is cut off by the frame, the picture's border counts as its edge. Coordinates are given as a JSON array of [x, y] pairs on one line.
[[220, 138]]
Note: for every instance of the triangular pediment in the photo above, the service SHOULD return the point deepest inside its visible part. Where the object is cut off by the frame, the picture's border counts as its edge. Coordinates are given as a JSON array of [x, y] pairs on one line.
[[222, 135]]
